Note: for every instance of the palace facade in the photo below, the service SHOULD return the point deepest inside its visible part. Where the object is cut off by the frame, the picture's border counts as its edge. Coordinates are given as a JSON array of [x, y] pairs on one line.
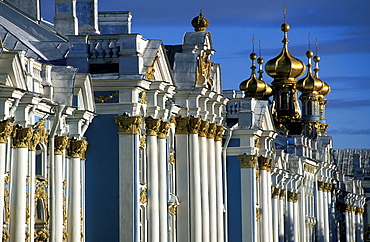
[[108, 136]]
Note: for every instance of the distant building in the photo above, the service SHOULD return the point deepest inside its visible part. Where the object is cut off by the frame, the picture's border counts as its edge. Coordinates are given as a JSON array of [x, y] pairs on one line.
[[108, 136]]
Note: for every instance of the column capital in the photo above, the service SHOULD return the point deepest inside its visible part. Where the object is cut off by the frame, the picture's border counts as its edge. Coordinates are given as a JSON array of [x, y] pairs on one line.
[[275, 192], [204, 128], [348, 209], [60, 144], [128, 125], [321, 185], [212, 131], [359, 211], [194, 125], [265, 163], [247, 161], [163, 129], [77, 148], [282, 194], [152, 126], [182, 125], [6, 129], [219, 133], [293, 197], [22, 137]]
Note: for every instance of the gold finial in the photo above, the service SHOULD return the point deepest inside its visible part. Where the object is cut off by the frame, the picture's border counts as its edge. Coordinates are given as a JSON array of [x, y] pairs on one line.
[[309, 41], [284, 12], [200, 23], [253, 43]]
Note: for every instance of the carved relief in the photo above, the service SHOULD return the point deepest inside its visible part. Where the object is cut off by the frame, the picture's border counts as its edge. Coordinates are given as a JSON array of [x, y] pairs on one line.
[[143, 99], [60, 143], [128, 125], [6, 200], [182, 125], [212, 131], [163, 129], [143, 141], [103, 99], [247, 161], [194, 125], [41, 130], [172, 159], [321, 185], [22, 137], [6, 129], [265, 163], [77, 148], [219, 133], [150, 72], [275, 192], [204, 71], [143, 196], [152, 126], [204, 128], [42, 235]]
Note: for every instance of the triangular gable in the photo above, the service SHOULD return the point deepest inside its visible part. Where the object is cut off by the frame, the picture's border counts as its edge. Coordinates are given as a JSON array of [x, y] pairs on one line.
[[11, 70], [83, 91]]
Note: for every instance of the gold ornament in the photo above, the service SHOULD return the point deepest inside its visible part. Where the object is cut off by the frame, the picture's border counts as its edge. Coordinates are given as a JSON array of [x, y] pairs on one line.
[[128, 125], [77, 148], [6, 129], [247, 161]]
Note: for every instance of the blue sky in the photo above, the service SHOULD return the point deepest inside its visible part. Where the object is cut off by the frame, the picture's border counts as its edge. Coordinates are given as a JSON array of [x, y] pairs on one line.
[[342, 28]]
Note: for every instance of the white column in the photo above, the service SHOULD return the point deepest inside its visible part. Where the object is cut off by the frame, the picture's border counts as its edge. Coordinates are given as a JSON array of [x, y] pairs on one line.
[[76, 152], [6, 129], [281, 215], [326, 213], [195, 193], [212, 183], [153, 189], [248, 197], [275, 213], [347, 215], [162, 166], [296, 220], [302, 211], [320, 211], [31, 194], [203, 151], [290, 217], [60, 145], [359, 225], [18, 184], [219, 184], [183, 180]]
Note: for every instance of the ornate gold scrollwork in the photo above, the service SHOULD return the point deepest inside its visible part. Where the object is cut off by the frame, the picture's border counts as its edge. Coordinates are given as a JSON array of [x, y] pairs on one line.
[[128, 125], [143, 196], [22, 137], [204, 71], [282, 194], [247, 161], [103, 99], [212, 131], [265, 163], [142, 97], [77, 148], [275, 192], [293, 197], [194, 125], [172, 159], [163, 129], [204, 128], [6, 129], [61, 143], [258, 213], [182, 125], [150, 72], [142, 140], [219, 133], [321, 185], [348, 209], [42, 235], [152, 126], [6, 235]]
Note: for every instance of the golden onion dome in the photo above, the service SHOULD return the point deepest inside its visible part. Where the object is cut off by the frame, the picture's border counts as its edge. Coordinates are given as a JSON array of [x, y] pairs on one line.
[[253, 86], [325, 90], [285, 66], [200, 23], [310, 83]]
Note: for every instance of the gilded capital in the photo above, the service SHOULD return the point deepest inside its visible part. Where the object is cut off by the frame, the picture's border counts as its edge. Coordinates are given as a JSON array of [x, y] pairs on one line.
[[321, 185], [128, 125], [293, 197], [348, 209], [212, 131], [182, 125], [60, 144], [204, 128], [6, 129], [41, 130], [163, 129], [35, 139], [194, 125], [265, 163], [247, 161], [22, 137], [275, 192], [282, 194], [77, 148], [219, 133], [152, 126]]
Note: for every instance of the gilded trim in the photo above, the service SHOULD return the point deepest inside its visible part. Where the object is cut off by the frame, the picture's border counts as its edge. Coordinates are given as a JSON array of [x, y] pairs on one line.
[[171, 159], [143, 196], [128, 125], [77, 148], [22, 137], [282, 194], [103, 99], [194, 125], [219, 133], [152, 126], [265, 163], [60, 143], [293, 197], [143, 99], [182, 125], [204, 128], [247, 161], [212, 131], [6, 129], [163, 129], [275, 192]]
